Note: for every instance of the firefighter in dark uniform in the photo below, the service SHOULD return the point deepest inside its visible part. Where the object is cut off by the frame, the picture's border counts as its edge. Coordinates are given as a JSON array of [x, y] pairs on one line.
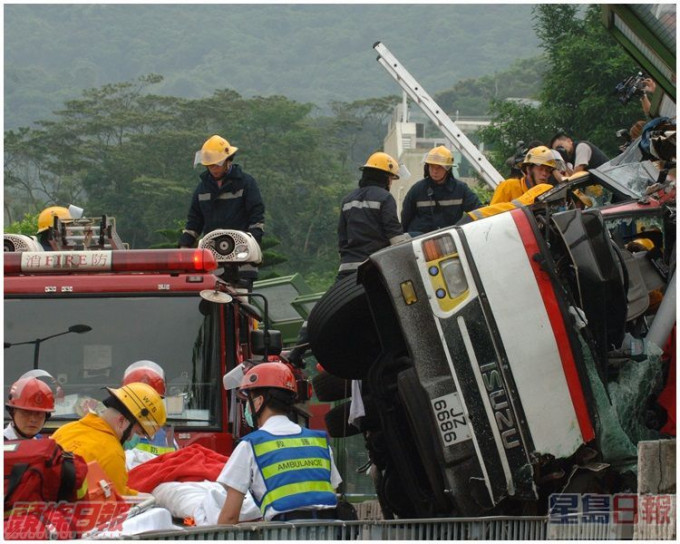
[[368, 215], [226, 198], [439, 200]]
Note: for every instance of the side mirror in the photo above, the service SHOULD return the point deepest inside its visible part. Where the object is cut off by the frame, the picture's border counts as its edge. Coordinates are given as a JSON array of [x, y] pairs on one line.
[[257, 340]]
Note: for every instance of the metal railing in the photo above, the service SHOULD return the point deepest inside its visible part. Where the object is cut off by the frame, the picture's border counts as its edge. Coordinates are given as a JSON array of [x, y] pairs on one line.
[[492, 528]]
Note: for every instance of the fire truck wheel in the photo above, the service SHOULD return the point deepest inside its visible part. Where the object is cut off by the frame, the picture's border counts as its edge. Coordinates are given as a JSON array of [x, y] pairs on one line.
[[329, 388], [342, 335], [336, 422]]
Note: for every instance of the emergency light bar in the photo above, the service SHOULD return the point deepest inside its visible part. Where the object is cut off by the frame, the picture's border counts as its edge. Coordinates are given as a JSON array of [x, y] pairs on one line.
[[133, 260]]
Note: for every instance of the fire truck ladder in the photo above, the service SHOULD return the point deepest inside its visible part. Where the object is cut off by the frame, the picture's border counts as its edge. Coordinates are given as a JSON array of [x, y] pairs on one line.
[[426, 103]]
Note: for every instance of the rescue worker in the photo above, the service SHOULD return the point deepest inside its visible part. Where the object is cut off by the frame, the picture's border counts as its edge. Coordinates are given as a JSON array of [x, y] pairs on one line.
[[152, 374], [134, 408], [288, 469], [368, 215], [30, 404], [579, 155], [439, 199], [526, 199], [537, 166], [225, 198], [46, 220]]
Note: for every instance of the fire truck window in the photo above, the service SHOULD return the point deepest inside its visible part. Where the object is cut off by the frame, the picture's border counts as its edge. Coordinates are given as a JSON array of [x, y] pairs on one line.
[[169, 330]]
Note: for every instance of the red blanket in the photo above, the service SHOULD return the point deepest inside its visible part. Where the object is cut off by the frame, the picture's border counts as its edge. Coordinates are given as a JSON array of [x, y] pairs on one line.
[[194, 463]]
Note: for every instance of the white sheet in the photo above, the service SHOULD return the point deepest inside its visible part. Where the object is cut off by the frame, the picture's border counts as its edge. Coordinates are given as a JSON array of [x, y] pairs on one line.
[[155, 519], [201, 501]]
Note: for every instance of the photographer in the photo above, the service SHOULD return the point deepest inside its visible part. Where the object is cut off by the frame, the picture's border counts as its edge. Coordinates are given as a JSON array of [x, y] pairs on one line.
[[649, 88], [581, 154]]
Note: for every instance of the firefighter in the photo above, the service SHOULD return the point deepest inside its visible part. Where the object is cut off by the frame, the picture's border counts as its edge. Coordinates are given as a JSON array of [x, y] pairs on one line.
[[288, 469], [579, 155], [526, 199], [46, 220], [225, 198], [439, 199], [537, 166], [30, 404], [368, 215], [152, 374], [134, 408]]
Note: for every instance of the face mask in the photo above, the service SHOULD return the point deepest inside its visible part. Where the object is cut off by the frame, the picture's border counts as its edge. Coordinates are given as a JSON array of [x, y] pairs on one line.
[[248, 415], [134, 440]]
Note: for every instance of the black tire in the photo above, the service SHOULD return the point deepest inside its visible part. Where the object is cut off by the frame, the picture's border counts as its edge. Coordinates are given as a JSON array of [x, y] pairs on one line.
[[336, 422], [342, 335], [330, 388], [417, 407]]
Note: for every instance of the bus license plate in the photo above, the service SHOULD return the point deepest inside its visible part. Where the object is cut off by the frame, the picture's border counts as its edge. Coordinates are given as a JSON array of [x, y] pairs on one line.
[[451, 421]]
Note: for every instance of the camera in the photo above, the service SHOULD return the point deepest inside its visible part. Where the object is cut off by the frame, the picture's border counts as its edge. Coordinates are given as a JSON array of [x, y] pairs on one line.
[[630, 87]]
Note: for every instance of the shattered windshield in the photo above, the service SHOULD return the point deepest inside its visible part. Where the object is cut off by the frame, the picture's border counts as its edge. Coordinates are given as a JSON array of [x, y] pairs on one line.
[[628, 173], [92, 340]]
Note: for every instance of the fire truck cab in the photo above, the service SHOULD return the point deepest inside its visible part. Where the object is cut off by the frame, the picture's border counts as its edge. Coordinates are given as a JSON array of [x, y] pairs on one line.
[[90, 308]]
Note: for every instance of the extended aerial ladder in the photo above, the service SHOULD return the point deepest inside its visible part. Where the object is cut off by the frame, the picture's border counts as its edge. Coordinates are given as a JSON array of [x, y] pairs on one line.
[[426, 103]]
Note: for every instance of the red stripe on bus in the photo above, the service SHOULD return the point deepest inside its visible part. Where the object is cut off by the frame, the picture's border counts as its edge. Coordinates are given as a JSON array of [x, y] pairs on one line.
[[558, 327]]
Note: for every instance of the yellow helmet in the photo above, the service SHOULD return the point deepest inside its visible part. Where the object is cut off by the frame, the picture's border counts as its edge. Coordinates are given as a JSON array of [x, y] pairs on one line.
[[441, 156], [640, 244], [540, 155], [145, 405], [46, 217], [215, 150], [383, 161]]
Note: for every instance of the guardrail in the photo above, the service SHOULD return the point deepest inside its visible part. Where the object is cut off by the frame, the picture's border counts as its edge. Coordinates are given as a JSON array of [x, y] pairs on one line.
[[492, 528]]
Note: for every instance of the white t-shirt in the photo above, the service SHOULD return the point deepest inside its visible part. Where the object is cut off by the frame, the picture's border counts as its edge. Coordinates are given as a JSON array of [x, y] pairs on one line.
[[241, 471], [582, 155], [10, 433]]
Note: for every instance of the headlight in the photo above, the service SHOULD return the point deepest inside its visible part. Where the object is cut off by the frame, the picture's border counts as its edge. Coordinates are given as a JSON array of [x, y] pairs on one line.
[[445, 271]]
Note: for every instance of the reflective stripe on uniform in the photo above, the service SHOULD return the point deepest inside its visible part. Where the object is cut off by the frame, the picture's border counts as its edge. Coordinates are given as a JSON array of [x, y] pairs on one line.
[[399, 239], [230, 196], [348, 266], [476, 214], [271, 445], [293, 489], [431, 203], [371, 204], [191, 232], [256, 226], [295, 464], [204, 196], [156, 450], [517, 203]]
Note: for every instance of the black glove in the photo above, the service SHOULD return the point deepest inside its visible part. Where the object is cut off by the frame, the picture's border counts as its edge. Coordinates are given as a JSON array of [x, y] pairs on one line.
[[186, 240]]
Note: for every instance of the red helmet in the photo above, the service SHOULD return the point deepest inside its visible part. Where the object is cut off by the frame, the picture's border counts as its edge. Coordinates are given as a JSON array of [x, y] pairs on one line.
[[268, 376], [31, 394], [146, 372]]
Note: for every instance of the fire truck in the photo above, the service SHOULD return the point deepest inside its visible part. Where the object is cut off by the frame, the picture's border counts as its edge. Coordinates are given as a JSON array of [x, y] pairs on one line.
[[90, 307]]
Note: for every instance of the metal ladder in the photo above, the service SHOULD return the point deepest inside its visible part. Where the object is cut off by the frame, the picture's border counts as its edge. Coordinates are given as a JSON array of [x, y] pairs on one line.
[[426, 103]]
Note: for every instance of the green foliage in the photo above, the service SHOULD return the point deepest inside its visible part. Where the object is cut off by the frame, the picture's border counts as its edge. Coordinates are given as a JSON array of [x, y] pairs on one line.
[[583, 64], [483, 192], [128, 153], [28, 225], [473, 97]]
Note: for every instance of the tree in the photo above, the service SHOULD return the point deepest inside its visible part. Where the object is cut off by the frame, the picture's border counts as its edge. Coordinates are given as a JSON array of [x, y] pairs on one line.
[[583, 65], [122, 151]]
